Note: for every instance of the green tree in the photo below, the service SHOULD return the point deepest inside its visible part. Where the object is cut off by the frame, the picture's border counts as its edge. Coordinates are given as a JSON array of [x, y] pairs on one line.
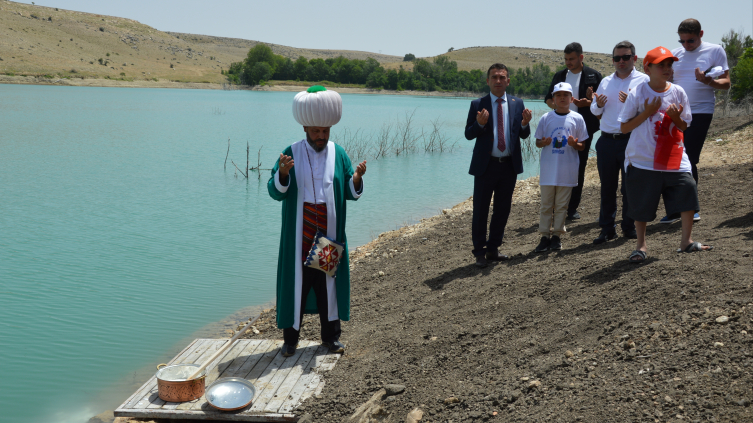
[[260, 53], [261, 71], [409, 57], [742, 76], [734, 44]]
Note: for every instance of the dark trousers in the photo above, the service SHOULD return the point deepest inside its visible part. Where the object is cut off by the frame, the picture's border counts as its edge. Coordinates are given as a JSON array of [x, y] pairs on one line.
[[694, 138], [498, 180], [577, 191], [316, 280], [610, 161]]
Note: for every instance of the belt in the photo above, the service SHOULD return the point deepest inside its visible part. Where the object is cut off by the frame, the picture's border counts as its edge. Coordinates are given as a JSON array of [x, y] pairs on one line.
[[503, 159], [616, 136]]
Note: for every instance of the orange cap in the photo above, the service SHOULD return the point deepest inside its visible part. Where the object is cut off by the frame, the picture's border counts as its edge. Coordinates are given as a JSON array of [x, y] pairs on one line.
[[657, 55]]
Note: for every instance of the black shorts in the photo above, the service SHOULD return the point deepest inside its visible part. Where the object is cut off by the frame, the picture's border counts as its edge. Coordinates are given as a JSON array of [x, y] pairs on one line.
[[645, 187]]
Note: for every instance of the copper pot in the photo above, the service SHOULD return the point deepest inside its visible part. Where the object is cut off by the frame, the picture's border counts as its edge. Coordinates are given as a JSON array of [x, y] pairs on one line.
[[173, 386]]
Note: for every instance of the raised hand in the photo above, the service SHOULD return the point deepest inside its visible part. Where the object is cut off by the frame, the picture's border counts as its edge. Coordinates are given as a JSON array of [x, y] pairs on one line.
[[527, 114], [482, 117], [589, 93], [358, 174], [653, 106], [674, 111], [601, 99], [583, 102], [545, 141], [623, 96], [286, 163], [572, 142]]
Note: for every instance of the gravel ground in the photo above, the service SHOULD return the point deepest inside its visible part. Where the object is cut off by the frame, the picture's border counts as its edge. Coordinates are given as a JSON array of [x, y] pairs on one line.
[[574, 335]]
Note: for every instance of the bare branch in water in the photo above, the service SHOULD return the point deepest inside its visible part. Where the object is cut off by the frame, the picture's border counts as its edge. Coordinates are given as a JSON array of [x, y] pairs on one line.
[[227, 154], [239, 170]]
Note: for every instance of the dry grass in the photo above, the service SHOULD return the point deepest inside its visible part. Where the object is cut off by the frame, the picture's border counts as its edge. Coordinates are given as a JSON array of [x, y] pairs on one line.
[[38, 40], [514, 58]]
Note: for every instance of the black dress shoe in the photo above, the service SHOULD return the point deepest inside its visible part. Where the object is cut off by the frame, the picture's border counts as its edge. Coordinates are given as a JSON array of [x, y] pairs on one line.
[[481, 262], [335, 347], [604, 237], [555, 244], [496, 256], [573, 216], [543, 245], [287, 350], [631, 234]]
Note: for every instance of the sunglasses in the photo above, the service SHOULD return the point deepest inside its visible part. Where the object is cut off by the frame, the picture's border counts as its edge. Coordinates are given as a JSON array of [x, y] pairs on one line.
[[625, 57], [690, 41]]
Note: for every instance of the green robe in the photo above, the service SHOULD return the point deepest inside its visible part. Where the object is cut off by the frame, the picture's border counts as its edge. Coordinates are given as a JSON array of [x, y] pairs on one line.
[[338, 187]]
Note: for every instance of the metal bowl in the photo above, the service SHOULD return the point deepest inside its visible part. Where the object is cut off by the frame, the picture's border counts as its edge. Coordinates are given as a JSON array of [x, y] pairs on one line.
[[230, 393]]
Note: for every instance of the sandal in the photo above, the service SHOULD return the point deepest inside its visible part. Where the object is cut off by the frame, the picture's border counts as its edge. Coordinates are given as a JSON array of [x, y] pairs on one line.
[[695, 246], [637, 256]]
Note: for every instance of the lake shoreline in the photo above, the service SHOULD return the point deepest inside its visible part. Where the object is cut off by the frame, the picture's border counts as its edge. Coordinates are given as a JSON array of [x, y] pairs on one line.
[[162, 83]]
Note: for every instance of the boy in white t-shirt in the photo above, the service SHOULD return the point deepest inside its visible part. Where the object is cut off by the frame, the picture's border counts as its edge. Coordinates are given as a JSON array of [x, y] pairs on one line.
[[560, 135], [656, 165]]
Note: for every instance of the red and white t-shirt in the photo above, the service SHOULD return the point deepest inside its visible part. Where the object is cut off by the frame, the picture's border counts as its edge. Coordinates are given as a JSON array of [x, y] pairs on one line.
[[656, 144]]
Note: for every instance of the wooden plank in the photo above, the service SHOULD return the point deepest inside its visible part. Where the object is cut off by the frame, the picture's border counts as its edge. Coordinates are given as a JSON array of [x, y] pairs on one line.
[[274, 375], [281, 383], [287, 384], [315, 387], [213, 370], [210, 348], [211, 415], [150, 386], [307, 382], [250, 346], [260, 366]]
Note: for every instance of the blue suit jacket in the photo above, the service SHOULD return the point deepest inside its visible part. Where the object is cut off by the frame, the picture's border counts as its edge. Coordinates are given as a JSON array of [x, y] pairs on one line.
[[484, 135]]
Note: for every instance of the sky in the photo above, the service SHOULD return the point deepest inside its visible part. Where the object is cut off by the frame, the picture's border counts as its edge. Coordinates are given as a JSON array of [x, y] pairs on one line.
[[426, 28]]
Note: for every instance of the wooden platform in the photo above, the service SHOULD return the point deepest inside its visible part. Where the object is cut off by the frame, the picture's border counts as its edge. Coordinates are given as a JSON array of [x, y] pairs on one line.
[[282, 383]]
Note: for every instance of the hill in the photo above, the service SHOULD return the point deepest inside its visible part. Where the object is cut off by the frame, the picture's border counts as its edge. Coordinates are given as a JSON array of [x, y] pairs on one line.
[[38, 40], [58, 43], [515, 57]]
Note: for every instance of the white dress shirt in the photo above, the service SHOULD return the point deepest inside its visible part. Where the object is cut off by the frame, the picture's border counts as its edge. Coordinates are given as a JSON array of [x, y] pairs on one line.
[[318, 161], [611, 87], [505, 112]]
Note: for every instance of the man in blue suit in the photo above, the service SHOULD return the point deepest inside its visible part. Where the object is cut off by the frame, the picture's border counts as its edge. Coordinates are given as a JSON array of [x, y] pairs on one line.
[[496, 122]]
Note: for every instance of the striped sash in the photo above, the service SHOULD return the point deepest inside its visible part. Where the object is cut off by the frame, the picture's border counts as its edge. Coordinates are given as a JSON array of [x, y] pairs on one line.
[[313, 215]]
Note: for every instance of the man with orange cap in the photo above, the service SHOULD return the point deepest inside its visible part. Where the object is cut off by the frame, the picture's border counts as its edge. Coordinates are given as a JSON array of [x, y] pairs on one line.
[[313, 178]]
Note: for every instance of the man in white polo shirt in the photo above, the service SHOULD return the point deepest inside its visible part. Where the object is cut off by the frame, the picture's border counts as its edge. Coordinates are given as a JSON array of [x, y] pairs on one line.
[[610, 149], [702, 68]]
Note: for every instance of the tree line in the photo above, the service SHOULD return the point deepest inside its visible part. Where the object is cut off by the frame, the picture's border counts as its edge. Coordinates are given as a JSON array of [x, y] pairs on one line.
[[441, 74]]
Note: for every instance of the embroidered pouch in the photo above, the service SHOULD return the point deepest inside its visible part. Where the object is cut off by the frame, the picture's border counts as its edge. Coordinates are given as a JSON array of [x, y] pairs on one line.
[[325, 254]]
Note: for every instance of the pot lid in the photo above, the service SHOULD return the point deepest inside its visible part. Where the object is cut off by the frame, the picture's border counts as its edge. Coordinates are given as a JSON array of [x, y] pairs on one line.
[[179, 372], [230, 393]]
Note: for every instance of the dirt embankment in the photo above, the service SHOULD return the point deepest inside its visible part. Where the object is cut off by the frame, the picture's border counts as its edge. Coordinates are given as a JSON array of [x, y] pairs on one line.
[[575, 335]]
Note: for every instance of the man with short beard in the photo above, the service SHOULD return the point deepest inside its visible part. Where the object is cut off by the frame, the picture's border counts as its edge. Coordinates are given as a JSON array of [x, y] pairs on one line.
[[610, 149], [313, 178], [584, 81]]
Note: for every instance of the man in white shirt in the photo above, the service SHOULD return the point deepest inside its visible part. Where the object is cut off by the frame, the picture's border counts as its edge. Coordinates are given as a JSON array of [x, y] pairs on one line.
[[698, 60], [610, 149]]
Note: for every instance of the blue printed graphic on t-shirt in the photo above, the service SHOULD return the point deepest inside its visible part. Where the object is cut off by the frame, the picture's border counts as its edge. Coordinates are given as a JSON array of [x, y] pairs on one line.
[[559, 139]]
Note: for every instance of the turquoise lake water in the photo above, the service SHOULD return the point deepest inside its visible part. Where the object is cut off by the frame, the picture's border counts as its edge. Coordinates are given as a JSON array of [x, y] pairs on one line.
[[122, 238]]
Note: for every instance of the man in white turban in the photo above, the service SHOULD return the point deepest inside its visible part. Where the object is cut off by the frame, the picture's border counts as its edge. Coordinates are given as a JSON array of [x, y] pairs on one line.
[[313, 178]]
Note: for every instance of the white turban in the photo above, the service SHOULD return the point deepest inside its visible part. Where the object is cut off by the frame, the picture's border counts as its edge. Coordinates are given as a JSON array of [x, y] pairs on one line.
[[317, 106]]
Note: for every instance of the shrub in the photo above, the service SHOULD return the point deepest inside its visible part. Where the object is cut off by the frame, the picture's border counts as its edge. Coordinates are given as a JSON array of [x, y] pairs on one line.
[[102, 29], [409, 57], [122, 73], [101, 61], [108, 54]]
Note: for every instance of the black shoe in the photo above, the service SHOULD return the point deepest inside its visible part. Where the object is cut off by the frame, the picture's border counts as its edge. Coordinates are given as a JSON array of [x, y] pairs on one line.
[[335, 347], [605, 236], [543, 245], [631, 234], [496, 256], [287, 350], [481, 262], [573, 216], [555, 243]]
